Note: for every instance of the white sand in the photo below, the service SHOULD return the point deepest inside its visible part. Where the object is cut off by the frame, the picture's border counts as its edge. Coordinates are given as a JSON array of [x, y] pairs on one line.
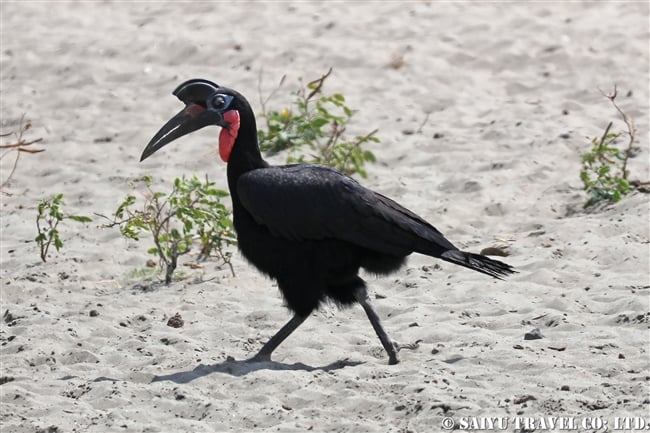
[[494, 80]]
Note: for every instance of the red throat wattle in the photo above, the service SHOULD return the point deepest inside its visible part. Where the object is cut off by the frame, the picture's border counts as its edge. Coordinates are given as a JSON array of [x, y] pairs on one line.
[[228, 135]]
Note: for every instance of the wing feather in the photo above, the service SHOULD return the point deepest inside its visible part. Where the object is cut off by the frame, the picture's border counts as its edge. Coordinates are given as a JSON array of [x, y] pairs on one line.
[[310, 202]]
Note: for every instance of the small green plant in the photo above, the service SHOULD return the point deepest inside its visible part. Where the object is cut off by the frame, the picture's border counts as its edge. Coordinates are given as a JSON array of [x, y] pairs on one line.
[[602, 173], [316, 123], [604, 168], [50, 214], [191, 213]]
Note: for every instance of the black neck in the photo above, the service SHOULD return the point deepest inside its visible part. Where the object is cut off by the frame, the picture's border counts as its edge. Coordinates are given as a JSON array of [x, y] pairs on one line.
[[245, 154]]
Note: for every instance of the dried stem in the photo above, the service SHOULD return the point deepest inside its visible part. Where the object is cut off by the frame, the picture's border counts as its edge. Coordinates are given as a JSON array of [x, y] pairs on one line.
[[318, 84], [602, 143], [263, 101], [19, 146], [630, 128]]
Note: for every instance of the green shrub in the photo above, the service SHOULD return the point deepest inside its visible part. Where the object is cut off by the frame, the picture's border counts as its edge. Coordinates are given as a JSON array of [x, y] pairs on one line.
[[192, 213], [312, 130], [604, 172], [50, 214], [603, 169]]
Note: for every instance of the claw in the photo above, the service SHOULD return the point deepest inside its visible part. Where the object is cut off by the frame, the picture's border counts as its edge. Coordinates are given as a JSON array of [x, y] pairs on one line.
[[408, 346]]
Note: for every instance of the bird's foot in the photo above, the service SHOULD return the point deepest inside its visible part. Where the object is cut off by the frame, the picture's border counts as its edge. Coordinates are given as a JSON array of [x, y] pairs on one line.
[[408, 346], [392, 353]]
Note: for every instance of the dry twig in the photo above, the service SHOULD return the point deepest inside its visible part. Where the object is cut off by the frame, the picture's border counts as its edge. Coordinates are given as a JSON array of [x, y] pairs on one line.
[[630, 127], [19, 146]]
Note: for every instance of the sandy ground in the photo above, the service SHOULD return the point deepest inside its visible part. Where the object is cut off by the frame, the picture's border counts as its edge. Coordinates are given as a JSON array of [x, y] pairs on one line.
[[511, 91]]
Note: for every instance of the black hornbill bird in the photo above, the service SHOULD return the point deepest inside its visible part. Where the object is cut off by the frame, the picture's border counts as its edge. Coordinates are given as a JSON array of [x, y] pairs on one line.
[[309, 227]]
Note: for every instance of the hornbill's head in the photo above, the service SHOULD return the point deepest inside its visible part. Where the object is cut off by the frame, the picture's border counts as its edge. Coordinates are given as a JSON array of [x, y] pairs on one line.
[[206, 103]]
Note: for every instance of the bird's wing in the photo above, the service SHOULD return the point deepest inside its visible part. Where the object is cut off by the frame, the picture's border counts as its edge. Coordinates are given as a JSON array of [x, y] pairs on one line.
[[309, 202]]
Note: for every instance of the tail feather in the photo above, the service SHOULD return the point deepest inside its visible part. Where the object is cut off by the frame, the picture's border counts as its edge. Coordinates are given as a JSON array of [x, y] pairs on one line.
[[477, 262]]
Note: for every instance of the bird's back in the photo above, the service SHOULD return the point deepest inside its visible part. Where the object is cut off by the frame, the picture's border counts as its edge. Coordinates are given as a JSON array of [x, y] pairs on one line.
[[310, 202]]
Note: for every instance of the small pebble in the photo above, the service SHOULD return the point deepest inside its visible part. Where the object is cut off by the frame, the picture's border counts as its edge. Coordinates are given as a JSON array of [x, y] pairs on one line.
[[535, 334], [524, 399], [175, 321], [495, 251]]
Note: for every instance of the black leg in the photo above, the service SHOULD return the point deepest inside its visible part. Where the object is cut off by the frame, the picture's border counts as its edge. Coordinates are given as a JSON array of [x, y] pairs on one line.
[[363, 299], [265, 352]]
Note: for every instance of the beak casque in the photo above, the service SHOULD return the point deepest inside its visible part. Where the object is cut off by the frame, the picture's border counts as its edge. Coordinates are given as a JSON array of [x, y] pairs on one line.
[[193, 93]]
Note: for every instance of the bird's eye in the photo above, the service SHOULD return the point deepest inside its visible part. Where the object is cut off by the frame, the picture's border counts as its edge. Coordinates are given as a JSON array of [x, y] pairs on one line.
[[219, 101]]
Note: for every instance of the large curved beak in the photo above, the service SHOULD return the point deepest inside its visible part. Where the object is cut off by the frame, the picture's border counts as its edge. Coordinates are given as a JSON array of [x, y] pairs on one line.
[[192, 118]]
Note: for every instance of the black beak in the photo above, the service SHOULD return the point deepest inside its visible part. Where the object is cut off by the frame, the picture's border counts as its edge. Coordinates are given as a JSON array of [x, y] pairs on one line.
[[192, 118]]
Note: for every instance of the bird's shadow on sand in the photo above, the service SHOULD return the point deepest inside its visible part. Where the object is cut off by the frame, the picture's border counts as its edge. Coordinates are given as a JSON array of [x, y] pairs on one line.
[[244, 367]]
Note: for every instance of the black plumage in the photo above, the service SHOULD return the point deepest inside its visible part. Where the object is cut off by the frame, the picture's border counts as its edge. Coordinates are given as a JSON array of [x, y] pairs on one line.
[[309, 227]]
